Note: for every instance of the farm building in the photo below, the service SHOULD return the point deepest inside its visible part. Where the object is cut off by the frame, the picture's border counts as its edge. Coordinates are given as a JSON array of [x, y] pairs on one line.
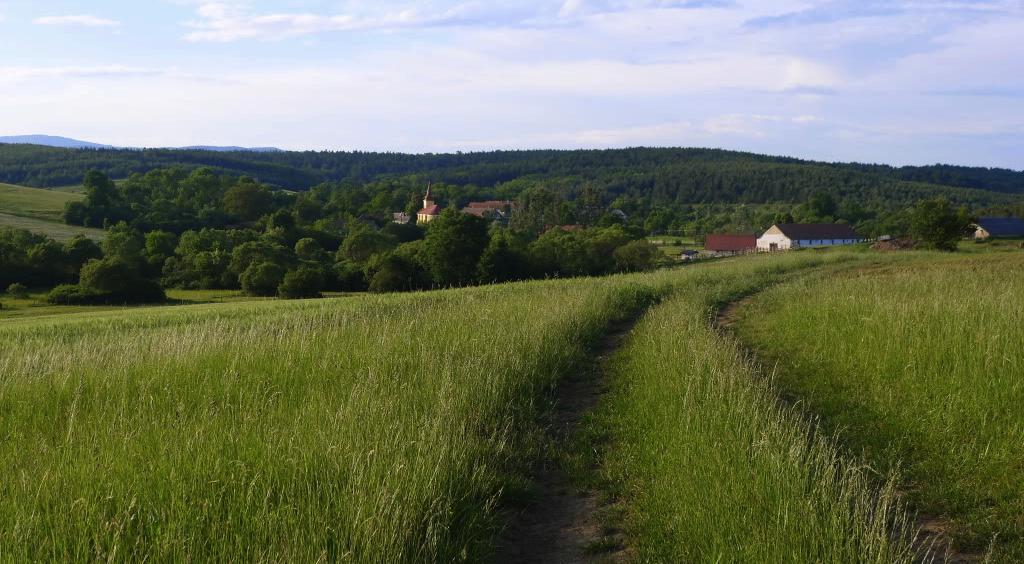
[[988, 227], [784, 236], [430, 209], [498, 210], [730, 243]]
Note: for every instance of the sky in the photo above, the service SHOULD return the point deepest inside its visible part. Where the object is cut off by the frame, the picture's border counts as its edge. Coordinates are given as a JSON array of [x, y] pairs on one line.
[[898, 82]]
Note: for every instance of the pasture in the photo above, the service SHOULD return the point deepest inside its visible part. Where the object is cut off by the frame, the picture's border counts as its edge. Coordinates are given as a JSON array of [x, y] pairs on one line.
[[40, 211]]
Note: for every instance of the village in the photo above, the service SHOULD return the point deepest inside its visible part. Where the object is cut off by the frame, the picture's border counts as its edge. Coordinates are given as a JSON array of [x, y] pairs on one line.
[[778, 237]]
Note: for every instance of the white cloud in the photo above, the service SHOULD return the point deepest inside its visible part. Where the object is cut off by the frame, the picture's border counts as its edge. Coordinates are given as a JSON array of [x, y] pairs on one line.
[[85, 20], [226, 21]]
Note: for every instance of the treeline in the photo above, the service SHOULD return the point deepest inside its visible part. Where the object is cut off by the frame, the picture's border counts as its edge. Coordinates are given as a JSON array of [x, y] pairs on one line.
[[657, 176], [201, 230]]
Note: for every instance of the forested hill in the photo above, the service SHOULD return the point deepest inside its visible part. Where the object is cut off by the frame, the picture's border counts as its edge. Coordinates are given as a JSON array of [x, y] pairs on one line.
[[659, 175]]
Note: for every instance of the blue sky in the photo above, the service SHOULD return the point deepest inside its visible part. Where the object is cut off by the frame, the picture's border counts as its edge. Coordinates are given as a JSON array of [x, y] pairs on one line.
[[901, 82]]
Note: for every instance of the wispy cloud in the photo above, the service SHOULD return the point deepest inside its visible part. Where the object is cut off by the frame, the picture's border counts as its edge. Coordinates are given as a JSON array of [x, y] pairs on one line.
[[84, 20], [227, 21]]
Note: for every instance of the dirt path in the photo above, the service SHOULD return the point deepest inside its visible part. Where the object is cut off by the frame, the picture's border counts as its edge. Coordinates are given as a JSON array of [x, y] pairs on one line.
[[563, 525], [934, 539]]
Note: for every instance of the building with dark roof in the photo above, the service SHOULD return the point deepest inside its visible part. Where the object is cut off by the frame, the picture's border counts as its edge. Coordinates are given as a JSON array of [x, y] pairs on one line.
[[784, 236], [988, 227], [730, 243]]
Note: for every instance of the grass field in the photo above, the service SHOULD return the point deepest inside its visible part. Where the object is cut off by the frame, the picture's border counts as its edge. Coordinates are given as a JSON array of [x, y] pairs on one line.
[[917, 366], [374, 430], [707, 467], [396, 428], [40, 211], [34, 202], [35, 304]]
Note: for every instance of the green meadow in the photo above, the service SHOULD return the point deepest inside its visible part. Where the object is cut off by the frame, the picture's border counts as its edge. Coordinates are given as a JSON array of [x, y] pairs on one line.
[[916, 365], [402, 428], [40, 211]]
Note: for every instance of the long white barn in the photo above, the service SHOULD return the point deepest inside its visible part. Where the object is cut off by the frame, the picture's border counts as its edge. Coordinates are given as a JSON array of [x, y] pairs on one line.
[[785, 236]]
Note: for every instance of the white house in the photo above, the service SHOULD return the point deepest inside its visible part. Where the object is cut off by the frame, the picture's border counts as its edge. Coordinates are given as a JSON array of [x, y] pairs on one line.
[[784, 236]]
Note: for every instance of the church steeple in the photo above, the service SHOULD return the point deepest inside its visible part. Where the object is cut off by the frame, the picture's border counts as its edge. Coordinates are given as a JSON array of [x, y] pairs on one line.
[[428, 200]]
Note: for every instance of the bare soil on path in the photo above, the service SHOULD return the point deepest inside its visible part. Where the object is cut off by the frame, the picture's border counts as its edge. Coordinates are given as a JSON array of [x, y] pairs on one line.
[[563, 524]]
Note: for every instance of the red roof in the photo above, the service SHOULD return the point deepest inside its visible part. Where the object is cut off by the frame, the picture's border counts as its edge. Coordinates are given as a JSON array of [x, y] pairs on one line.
[[432, 210], [730, 242], [491, 204]]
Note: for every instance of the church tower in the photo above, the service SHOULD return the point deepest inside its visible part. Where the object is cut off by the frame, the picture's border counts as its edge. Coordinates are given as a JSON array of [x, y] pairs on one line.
[[430, 209]]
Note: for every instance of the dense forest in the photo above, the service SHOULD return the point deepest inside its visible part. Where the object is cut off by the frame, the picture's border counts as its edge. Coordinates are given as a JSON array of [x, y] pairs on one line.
[[654, 177]]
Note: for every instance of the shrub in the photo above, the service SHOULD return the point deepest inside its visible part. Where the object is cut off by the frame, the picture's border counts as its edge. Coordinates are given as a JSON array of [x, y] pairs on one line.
[[71, 294], [17, 290], [636, 256], [262, 279], [302, 283]]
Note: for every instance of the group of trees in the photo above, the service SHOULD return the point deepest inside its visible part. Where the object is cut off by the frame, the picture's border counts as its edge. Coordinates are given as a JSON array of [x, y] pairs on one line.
[[200, 230], [28, 259]]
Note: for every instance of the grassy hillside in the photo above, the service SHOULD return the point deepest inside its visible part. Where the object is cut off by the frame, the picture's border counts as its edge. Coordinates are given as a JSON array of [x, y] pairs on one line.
[[40, 211], [918, 365], [35, 203]]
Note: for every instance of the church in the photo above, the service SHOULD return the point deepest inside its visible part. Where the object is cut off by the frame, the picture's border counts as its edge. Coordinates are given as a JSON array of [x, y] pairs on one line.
[[430, 209]]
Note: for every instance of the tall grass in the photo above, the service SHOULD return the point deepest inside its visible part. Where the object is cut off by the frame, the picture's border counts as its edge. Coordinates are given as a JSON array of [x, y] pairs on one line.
[[373, 430], [918, 365], [707, 466], [389, 429]]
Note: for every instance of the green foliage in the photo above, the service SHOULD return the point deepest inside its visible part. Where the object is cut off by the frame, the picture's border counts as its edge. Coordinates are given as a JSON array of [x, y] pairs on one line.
[[17, 291], [453, 246], [392, 272], [505, 259], [124, 243], [35, 260], [111, 280], [262, 279], [636, 256], [934, 224], [363, 243], [305, 282], [247, 200]]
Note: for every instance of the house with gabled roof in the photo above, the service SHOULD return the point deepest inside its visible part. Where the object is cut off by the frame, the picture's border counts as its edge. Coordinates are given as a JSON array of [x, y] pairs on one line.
[[988, 227], [785, 236]]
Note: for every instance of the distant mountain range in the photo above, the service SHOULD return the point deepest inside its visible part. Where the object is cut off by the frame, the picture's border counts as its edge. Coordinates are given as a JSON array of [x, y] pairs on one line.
[[52, 141], [68, 143]]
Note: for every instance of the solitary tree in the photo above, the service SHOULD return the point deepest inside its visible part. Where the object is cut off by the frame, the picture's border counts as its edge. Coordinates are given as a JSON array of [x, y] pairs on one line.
[[934, 224]]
